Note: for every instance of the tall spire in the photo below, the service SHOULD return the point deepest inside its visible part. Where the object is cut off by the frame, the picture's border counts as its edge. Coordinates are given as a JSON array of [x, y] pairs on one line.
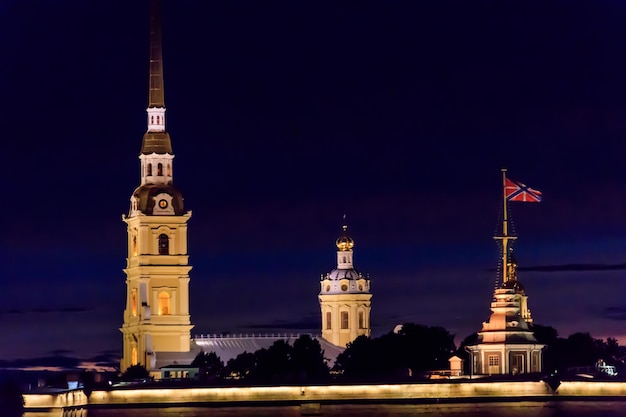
[[156, 140], [157, 98]]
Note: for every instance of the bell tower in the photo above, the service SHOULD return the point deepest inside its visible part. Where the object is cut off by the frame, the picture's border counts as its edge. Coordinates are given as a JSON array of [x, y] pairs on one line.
[[345, 298], [156, 318]]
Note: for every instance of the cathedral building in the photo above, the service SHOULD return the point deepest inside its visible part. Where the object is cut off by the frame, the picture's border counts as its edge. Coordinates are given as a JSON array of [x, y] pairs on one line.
[[156, 318], [157, 324]]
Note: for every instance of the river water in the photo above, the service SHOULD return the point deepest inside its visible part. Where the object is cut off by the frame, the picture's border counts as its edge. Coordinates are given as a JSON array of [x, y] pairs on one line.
[[495, 409]]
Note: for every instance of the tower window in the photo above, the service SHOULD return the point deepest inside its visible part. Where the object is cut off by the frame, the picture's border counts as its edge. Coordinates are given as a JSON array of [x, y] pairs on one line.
[[160, 169], [158, 120], [361, 320], [134, 245], [151, 120], [149, 173], [344, 319], [328, 320], [164, 245], [133, 356], [133, 302], [164, 304], [169, 170]]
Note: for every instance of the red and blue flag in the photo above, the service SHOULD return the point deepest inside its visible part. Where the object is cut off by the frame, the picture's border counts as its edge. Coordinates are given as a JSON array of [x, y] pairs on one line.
[[516, 191]]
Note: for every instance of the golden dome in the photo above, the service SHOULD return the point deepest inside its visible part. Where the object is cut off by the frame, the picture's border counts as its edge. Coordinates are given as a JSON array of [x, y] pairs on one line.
[[345, 242]]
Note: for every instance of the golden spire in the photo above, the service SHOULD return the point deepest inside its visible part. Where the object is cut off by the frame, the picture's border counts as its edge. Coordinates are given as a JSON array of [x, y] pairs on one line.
[[156, 97], [156, 139], [345, 242]]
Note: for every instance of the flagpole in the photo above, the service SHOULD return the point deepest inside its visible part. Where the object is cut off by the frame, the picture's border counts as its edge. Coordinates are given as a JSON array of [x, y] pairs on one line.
[[505, 229], [505, 238]]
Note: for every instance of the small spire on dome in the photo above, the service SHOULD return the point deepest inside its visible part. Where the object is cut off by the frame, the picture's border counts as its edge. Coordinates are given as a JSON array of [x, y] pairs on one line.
[[345, 242]]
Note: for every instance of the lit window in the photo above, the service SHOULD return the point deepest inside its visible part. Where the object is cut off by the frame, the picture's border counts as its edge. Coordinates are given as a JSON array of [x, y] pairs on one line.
[[164, 245], [344, 319], [328, 320], [169, 170], [164, 304], [493, 360], [134, 245], [133, 302], [133, 356]]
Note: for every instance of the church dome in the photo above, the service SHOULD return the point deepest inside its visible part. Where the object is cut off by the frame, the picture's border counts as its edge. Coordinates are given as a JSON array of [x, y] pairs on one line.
[[146, 198], [345, 242], [339, 274]]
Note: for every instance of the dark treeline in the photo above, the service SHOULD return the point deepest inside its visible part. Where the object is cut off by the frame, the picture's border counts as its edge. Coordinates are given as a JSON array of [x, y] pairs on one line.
[[412, 352]]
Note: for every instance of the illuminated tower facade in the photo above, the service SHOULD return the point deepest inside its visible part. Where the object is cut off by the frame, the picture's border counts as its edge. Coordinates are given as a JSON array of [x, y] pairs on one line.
[[506, 343], [156, 318], [345, 297]]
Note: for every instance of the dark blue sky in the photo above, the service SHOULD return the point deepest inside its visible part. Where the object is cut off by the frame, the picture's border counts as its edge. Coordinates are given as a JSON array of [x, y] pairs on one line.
[[286, 115]]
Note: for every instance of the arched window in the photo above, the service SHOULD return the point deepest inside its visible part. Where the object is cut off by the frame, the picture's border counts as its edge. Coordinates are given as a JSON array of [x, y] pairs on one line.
[[164, 304], [158, 120], [149, 174], [160, 169], [133, 356], [164, 245], [134, 245], [344, 319], [169, 170], [328, 320], [133, 302]]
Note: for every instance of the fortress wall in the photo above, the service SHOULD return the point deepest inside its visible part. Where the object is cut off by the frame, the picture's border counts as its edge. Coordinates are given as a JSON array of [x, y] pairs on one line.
[[592, 389], [345, 393]]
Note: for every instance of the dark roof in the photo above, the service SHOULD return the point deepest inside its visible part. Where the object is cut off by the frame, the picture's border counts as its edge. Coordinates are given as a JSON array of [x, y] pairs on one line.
[[146, 192], [156, 142]]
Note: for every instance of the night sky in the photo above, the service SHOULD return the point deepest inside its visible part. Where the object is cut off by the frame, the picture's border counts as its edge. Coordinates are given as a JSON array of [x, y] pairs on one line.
[[284, 116]]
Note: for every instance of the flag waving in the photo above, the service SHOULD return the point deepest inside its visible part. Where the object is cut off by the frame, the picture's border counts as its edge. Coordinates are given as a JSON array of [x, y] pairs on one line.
[[516, 191]]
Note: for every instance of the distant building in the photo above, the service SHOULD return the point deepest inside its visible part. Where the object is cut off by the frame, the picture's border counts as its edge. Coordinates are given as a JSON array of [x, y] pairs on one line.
[[157, 325], [345, 298]]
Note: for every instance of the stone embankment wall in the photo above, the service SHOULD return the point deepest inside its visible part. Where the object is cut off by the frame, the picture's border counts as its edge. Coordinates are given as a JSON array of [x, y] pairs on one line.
[[470, 391]]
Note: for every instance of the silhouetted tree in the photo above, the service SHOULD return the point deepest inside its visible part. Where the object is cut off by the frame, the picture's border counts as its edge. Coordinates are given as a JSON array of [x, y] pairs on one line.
[[209, 364], [135, 372], [273, 363], [242, 366], [307, 359], [414, 349], [358, 360], [11, 399]]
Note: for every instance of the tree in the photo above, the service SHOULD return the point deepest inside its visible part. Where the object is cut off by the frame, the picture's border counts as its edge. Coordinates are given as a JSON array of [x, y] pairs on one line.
[[273, 363], [242, 366], [307, 359], [11, 399], [412, 350], [135, 372], [210, 365]]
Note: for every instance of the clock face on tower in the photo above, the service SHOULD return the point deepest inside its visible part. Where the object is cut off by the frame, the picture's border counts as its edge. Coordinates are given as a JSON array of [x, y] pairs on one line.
[[163, 205]]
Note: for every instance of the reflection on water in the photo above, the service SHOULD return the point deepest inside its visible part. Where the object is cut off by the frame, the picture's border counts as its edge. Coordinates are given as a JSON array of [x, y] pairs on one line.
[[517, 409]]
